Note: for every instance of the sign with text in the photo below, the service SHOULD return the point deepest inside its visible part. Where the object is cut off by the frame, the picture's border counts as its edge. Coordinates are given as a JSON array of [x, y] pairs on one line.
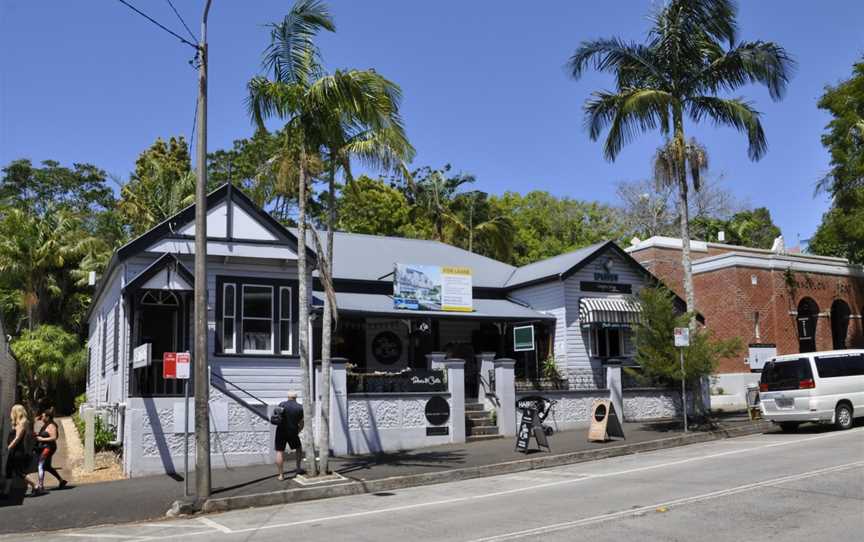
[[432, 288], [605, 287], [604, 422], [682, 336], [176, 365], [141, 356], [526, 429], [523, 338]]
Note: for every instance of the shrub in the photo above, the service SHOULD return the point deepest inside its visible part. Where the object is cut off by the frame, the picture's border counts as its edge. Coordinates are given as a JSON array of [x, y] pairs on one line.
[[104, 433]]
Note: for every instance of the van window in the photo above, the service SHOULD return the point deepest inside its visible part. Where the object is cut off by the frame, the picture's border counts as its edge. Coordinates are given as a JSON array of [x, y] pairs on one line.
[[837, 366], [786, 374]]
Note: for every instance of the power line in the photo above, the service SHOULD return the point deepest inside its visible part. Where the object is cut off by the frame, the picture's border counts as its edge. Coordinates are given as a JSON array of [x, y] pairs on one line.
[[160, 25], [191, 35]]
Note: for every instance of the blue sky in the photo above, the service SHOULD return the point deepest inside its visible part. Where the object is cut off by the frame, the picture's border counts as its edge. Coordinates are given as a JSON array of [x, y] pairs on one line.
[[484, 84]]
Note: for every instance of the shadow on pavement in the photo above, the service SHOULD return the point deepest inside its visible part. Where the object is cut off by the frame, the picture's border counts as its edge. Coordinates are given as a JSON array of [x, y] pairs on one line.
[[405, 459]]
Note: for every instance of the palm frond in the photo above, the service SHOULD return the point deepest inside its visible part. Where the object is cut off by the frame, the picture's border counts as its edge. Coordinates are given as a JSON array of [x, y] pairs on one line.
[[733, 112], [626, 114], [749, 62], [613, 56], [292, 56]]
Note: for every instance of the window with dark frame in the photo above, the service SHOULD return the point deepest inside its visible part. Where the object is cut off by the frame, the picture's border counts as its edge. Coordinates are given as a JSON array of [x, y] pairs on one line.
[[285, 320], [606, 342], [116, 360], [104, 343], [255, 316]]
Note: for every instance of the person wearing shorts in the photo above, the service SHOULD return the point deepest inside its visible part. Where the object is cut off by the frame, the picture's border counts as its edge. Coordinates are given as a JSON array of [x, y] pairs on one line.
[[288, 433]]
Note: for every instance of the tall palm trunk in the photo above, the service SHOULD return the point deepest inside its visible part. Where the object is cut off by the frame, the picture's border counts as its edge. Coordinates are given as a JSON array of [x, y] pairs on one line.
[[681, 170], [303, 316], [327, 331]]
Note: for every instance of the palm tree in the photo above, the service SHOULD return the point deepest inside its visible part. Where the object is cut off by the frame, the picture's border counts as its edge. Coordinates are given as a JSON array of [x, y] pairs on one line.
[[493, 229], [315, 106], [378, 142], [690, 56], [433, 194], [33, 250]]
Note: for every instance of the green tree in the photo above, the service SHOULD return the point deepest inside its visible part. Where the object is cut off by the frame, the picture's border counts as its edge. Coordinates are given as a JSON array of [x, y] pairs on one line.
[[656, 354], [48, 357], [37, 255], [432, 192], [841, 232], [692, 54], [480, 227], [82, 189], [161, 185], [373, 207], [546, 226]]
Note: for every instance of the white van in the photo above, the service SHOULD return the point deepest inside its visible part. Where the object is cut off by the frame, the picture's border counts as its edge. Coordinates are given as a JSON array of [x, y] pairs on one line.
[[822, 387]]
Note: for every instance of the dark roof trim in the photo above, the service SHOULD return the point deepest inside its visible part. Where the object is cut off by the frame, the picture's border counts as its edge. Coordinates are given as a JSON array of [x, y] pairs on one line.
[[409, 315], [153, 269]]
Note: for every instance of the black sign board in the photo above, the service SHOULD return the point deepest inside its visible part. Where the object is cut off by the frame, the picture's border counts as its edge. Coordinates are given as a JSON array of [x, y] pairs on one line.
[[538, 403], [526, 428], [437, 410], [437, 431], [530, 426], [605, 287]]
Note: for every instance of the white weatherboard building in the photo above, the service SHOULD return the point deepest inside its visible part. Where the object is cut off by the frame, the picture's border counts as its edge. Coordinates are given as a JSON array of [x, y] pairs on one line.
[[413, 378]]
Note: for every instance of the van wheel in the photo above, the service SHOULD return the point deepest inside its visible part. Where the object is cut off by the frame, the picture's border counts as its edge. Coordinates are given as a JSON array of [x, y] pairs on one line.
[[843, 416], [789, 427]]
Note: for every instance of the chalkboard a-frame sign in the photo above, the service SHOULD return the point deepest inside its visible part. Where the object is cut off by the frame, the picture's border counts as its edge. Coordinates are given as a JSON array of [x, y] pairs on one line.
[[528, 427]]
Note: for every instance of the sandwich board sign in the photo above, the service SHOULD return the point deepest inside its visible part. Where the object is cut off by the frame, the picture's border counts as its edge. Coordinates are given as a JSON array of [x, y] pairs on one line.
[[604, 422], [529, 426]]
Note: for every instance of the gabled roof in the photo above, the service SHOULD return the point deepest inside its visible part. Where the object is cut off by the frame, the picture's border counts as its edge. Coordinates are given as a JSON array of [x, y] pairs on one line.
[[558, 267], [373, 258], [170, 265]]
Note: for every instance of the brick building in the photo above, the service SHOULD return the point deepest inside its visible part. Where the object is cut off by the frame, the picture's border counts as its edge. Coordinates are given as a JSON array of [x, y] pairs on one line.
[[777, 302]]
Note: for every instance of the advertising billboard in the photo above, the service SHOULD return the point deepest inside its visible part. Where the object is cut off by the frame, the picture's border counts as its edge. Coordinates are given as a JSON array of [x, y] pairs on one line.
[[432, 288]]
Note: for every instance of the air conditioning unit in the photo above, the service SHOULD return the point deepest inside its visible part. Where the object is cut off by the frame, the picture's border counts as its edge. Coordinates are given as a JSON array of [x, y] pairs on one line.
[[386, 345]]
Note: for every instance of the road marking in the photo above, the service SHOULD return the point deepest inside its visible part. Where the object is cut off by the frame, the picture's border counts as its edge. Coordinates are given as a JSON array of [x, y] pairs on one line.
[[664, 506], [104, 535], [515, 490], [218, 526]]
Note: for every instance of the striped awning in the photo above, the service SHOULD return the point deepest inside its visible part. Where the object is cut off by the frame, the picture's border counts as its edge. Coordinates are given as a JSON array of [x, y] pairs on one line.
[[609, 311]]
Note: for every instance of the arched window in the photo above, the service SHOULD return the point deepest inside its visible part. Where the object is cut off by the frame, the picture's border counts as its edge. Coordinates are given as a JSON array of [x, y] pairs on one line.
[[808, 318], [839, 323], [161, 298]]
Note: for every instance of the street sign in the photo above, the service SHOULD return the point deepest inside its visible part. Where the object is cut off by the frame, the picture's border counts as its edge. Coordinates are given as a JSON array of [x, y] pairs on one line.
[[682, 336], [141, 356], [176, 365], [184, 362], [169, 365]]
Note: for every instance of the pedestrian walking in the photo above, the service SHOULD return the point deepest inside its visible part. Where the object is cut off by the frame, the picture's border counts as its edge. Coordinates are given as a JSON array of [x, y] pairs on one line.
[[20, 449], [46, 445], [288, 419]]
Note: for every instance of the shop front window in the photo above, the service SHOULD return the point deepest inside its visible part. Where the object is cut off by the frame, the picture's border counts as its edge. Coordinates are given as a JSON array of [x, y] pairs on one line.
[[257, 319], [607, 342]]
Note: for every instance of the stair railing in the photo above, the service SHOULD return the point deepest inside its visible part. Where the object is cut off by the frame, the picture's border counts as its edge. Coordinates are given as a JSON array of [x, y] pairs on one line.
[[221, 383]]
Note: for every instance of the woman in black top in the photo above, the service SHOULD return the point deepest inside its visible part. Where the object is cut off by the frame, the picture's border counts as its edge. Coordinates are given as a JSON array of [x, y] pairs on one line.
[[19, 448], [46, 440]]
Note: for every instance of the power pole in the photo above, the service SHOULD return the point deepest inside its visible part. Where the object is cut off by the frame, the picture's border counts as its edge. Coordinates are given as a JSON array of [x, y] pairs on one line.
[[202, 371]]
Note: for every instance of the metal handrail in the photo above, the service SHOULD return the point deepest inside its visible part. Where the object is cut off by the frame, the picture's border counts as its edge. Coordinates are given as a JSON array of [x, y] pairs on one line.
[[228, 382]]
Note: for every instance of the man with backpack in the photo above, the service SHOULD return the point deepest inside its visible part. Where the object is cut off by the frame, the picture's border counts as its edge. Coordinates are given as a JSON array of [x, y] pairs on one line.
[[288, 419]]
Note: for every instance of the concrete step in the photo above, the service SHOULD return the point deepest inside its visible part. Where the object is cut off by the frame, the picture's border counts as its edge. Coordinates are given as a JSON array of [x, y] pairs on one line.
[[475, 438], [486, 422], [477, 414], [473, 407], [481, 430]]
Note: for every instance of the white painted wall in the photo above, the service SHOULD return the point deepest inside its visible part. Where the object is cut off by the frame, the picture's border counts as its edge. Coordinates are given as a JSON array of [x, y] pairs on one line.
[[548, 298]]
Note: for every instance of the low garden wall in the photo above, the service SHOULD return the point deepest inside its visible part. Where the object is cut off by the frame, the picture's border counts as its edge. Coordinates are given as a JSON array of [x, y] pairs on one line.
[[394, 421]]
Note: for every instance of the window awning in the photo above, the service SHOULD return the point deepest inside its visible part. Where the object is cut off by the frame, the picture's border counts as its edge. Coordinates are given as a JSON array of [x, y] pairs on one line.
[[610, 311]]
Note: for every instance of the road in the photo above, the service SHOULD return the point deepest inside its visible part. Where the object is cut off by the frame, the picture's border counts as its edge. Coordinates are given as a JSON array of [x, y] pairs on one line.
[[809, 485]]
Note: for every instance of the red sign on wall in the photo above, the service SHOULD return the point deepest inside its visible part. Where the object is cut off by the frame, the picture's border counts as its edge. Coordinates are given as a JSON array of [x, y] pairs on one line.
[[176, 365], [169, 365]]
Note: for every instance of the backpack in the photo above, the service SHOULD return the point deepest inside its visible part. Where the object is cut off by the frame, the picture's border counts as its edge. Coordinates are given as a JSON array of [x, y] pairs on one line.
[[277, 416]]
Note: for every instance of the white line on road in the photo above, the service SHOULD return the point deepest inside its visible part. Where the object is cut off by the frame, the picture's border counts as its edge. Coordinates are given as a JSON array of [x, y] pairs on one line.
[[677, 502], [218, 526], [520, 489]]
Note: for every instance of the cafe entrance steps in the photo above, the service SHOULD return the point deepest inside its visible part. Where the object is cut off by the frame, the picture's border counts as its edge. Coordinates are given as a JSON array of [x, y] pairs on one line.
[[479, 424]]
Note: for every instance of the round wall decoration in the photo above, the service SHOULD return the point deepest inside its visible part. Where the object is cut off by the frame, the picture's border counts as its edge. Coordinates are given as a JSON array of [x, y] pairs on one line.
[[387, 348], [437, 410]]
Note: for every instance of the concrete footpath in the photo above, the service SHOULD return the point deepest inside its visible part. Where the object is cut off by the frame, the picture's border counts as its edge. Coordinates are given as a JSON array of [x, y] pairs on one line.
[[146, 498]]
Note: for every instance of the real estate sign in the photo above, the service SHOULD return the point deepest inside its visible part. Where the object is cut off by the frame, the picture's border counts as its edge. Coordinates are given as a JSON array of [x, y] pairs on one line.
[[432, 288]]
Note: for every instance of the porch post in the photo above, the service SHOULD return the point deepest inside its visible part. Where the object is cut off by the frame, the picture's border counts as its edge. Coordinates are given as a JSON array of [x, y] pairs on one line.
[[613, 383], [505, 393], [456, 386], [338, 406]]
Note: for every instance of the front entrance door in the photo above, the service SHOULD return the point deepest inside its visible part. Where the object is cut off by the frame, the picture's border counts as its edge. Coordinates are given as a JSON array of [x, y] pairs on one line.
[[808, 318], [161, 322]]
